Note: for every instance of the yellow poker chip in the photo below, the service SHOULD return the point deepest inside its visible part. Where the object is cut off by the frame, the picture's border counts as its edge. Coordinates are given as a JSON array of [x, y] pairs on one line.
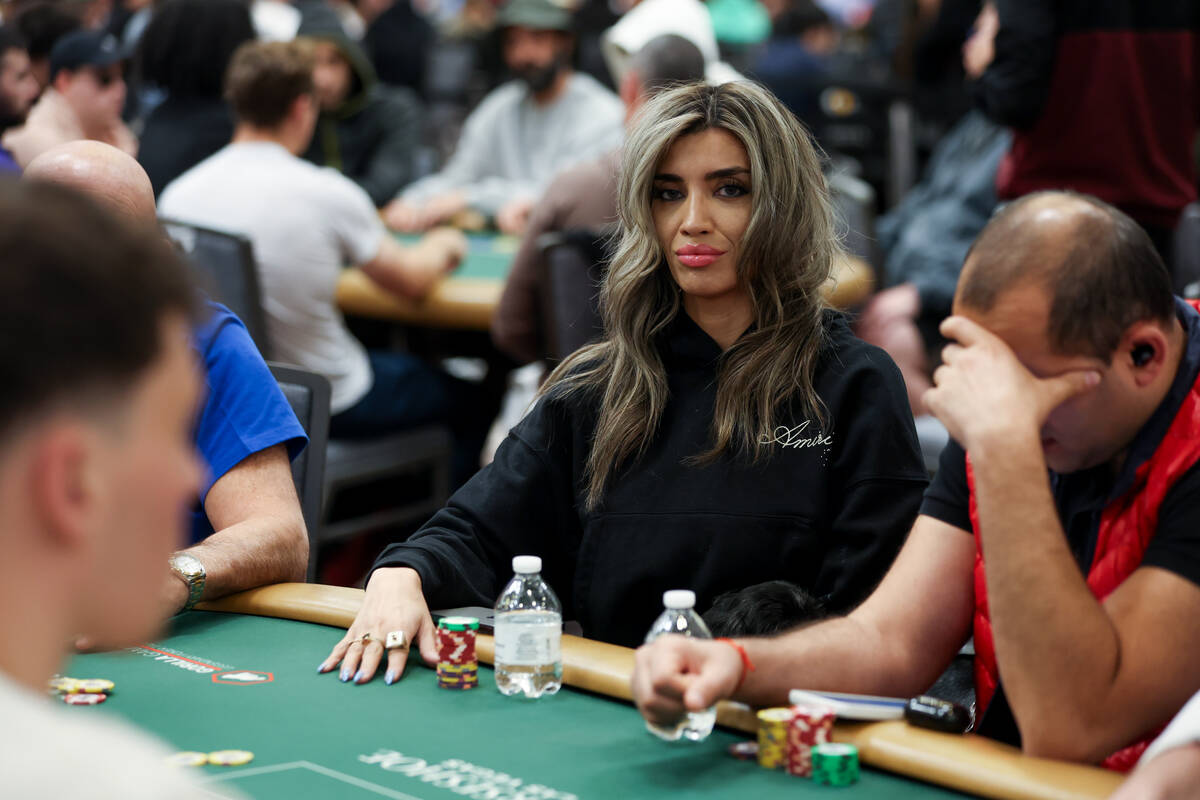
[[230, 758], [95, 686], [63, 685], [187, 758]]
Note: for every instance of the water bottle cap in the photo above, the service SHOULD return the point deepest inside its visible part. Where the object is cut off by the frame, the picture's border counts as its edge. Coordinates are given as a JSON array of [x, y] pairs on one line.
[[526, 565], [679, 598]]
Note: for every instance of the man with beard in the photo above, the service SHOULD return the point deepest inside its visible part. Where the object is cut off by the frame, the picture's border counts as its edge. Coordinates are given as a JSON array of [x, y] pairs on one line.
[[523, 133], [18, 89]]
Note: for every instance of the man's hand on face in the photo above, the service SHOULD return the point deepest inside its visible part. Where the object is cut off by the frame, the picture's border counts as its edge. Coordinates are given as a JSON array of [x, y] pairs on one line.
[[984, 395]]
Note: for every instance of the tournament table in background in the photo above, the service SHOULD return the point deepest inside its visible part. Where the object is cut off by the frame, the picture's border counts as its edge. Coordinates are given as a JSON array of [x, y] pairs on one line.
[[467, 298], [235, 680]]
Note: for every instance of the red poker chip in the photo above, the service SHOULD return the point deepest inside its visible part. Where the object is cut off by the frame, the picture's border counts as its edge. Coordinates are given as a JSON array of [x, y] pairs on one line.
[[84, 699]]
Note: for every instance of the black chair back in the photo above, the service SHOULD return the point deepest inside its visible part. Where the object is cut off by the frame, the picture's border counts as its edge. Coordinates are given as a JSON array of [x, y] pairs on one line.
[[308, 394], [223, 265]]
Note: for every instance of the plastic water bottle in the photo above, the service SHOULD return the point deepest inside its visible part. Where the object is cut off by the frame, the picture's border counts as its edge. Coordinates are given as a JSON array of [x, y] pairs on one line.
[[681, 619], [528, 633]]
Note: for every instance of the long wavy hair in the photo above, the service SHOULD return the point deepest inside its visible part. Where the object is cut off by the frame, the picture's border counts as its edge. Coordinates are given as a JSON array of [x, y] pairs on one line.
[[786, 255]]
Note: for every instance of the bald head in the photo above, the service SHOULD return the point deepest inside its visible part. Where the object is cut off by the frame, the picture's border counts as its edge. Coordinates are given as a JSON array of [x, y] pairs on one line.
[[1097, 268], [102, 172]]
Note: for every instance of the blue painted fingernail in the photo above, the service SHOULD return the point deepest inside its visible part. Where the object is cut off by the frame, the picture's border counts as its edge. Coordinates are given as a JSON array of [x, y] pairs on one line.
[[345, 676], [321, 667], [390, 678], [358, 676]]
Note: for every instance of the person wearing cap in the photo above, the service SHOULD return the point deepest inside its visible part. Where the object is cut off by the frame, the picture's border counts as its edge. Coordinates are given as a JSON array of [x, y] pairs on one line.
[[367, 131], [18, 89], [523, 133], [83, 101]]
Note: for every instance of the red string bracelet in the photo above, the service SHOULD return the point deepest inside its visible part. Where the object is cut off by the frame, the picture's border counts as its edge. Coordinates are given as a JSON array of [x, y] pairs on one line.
[[747, 664]]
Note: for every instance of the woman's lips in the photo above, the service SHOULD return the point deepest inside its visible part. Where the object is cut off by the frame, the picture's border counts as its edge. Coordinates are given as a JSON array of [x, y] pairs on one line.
[[698, 255]]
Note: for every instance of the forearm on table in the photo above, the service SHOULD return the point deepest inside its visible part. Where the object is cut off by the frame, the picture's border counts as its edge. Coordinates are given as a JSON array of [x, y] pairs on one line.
[[260, 550], [1056, 647], [845, 654], [395, 269]]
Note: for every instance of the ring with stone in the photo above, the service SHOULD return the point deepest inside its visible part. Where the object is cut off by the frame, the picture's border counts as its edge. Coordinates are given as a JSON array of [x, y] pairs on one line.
[[396, 640]]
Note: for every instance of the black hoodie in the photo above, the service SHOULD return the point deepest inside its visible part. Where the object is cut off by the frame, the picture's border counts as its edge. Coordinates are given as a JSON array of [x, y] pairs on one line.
[[828, 511], [373, 137]]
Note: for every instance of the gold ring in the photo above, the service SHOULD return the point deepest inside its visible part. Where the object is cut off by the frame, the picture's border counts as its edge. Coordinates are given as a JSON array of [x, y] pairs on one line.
[[396, 640]]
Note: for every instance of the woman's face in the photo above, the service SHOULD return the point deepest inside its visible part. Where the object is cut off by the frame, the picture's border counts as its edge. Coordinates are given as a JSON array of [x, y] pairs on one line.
[[701, 207]]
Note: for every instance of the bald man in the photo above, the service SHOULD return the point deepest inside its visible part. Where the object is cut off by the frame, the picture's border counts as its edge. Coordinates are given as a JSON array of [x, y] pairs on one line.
[[1071, 390], [247, 528]]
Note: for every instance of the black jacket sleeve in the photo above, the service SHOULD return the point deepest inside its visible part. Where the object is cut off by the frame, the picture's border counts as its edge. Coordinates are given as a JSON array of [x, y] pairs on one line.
[[520, 504], [879, 473], [1013, 89]]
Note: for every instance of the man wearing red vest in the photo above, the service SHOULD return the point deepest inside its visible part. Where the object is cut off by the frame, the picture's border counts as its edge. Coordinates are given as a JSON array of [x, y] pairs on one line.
[[1063, 526]]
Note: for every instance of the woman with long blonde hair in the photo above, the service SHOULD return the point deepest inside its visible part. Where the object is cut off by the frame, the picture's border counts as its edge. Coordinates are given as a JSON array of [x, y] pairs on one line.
[[728, 430]]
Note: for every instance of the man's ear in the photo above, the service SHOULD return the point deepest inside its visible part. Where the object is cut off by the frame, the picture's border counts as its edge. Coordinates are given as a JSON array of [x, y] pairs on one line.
[[630, 90], [63, 482], [62, 81], [300, 106], [1143, 351]]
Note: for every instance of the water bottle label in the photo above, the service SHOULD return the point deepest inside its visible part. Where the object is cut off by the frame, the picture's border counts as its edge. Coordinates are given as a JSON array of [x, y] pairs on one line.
[[528, 645]]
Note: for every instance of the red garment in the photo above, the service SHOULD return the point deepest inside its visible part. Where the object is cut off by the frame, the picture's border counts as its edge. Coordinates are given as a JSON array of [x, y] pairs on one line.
[[1126, 527]]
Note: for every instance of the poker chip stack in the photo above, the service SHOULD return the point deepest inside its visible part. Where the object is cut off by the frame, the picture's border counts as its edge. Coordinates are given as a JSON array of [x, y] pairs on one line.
[[773, 737], [835, 764], [457, 665], [81, 692], [809, 727]]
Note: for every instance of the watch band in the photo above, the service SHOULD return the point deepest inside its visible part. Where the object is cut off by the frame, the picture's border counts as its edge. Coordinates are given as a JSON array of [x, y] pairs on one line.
[[191, 572]]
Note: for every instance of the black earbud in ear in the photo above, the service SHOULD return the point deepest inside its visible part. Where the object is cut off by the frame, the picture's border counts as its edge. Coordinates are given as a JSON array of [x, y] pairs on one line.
[[1142, 354]]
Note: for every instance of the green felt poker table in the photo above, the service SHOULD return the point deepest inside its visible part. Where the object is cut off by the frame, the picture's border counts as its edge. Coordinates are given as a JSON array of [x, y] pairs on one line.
[[241, 674]]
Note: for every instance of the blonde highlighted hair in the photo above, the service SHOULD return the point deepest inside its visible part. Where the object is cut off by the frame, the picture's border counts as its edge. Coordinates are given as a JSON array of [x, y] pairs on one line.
[[787, 253]]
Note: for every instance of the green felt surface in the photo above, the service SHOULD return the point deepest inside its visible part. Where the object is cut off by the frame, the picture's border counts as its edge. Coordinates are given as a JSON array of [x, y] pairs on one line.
[[314, 736], [489, 258]]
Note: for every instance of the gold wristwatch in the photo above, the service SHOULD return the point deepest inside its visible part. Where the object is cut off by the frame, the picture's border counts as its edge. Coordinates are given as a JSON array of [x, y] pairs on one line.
[[191, 572]]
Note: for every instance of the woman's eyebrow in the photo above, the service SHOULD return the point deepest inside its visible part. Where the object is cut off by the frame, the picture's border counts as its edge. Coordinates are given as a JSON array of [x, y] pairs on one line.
[[727, 172]]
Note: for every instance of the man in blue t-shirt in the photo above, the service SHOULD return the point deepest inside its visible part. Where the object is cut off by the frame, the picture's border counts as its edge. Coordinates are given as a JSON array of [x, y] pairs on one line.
[[247, 528]]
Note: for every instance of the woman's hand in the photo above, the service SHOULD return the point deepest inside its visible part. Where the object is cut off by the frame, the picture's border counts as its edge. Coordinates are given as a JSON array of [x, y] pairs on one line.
[[393, 603]]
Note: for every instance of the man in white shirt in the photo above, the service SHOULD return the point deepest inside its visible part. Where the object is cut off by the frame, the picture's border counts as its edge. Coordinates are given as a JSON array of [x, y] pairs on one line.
[[97, 471], [305, 223], [523, 133]]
